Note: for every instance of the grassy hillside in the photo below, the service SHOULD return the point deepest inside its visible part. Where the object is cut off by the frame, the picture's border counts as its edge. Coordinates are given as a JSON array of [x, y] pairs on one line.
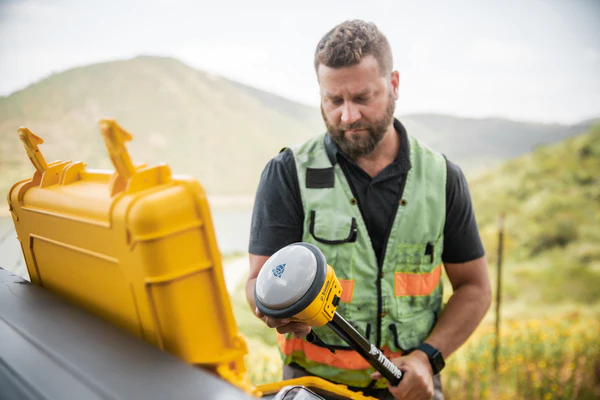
[[551, 198], [477, 144], [201, 124], [219, 131]]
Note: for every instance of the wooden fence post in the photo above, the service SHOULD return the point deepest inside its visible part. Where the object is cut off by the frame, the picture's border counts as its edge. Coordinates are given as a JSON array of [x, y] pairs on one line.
[[499, 288]]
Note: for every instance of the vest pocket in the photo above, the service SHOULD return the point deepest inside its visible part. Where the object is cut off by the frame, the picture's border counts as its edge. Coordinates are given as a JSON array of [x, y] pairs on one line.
[[418, 272], [410, 332], [417, 292], [331, 228], [414, 258]]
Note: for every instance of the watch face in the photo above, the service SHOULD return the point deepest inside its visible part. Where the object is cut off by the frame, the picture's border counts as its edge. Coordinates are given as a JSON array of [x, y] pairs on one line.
[[437, 362]]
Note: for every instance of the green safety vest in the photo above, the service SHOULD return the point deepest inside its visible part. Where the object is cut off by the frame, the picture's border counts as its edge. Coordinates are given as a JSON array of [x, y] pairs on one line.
[[411, 286]]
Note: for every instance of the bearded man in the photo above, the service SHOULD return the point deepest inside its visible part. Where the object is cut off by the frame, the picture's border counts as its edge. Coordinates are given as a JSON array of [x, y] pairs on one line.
[[388, 212]]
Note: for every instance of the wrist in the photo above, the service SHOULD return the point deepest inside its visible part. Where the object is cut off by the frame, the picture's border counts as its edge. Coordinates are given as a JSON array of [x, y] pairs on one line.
[[434, 357], [423, 358]]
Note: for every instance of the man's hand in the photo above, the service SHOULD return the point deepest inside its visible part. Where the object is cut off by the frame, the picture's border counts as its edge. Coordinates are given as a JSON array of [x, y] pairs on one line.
[[417, 379], [299, 329]]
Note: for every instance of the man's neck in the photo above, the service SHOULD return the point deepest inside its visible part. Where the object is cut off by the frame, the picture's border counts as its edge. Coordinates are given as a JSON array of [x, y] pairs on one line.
[[384, 154]]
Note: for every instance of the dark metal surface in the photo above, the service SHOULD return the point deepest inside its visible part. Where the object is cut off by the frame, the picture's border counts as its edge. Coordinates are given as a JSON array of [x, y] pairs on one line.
[[368, 351], [50, 349]]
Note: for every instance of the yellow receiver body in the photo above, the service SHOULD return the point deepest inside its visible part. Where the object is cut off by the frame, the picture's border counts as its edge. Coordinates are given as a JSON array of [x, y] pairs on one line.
[[322, 308]]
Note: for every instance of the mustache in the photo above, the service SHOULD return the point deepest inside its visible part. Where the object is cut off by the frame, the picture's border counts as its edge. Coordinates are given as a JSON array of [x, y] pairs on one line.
[[355, 126]]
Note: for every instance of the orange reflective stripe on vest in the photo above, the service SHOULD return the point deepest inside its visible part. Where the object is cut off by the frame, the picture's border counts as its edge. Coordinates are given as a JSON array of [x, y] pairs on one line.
[[409, 284], [345, 359], [347, 290]]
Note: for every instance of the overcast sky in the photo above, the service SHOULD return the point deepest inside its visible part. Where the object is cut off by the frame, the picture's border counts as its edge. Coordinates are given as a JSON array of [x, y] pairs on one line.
[[521, 59]]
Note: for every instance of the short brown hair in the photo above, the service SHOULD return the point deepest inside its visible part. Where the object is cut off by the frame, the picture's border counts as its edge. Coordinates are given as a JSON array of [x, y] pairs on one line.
[[347, 44]]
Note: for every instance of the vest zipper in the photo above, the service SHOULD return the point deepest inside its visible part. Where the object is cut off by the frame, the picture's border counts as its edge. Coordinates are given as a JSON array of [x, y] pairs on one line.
[[379, 272], [387, 238], [382, 260]]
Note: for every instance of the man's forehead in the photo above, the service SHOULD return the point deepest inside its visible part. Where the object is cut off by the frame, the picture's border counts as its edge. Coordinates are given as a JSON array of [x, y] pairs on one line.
[[357, 92], [354, 80]]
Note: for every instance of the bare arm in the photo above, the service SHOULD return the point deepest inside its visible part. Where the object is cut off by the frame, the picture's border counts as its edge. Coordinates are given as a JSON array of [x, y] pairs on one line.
[[466, 307], [256, 263]]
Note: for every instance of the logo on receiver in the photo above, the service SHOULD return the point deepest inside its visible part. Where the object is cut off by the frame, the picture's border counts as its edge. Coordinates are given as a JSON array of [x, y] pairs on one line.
[[278, 270]]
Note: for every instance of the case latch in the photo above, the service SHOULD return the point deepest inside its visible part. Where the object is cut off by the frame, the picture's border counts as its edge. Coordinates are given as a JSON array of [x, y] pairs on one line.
[[31, 141], [115, 138]]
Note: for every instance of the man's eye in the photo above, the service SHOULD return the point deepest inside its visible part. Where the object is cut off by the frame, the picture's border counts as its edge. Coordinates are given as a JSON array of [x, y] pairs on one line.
[[337, 101], [362, 99]]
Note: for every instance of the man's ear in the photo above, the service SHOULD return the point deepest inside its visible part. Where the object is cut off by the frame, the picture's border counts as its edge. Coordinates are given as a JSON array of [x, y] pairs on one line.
[[395, 81]]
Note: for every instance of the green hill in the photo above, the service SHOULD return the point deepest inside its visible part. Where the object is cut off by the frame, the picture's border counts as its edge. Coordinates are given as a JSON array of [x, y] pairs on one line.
[[551, 198], [477, 144], [219, 131], [201, 124]]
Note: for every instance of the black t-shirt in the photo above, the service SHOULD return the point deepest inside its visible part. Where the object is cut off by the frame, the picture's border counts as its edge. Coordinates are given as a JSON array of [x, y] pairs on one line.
[[278, 216]]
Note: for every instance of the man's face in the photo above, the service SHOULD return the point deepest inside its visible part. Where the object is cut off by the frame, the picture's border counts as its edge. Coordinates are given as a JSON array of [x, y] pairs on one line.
[[357, 105]]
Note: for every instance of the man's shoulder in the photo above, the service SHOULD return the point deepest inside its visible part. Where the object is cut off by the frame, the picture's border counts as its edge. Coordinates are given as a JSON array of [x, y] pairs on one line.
[[416, 146], [454, 169], [315, 152], [282, 161], [456, 181], [308, 144], [422, 146], [279, 172], [429, 161], [285, 162]]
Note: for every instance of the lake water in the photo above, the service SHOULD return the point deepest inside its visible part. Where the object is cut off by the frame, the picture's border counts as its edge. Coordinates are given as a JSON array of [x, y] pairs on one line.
[[232, 227]]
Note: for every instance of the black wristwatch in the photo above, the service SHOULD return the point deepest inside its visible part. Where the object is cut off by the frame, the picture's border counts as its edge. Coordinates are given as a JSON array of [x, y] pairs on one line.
[[435, 357]]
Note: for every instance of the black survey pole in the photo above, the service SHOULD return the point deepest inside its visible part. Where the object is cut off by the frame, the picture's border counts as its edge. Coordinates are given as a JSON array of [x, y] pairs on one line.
[[368, 351]]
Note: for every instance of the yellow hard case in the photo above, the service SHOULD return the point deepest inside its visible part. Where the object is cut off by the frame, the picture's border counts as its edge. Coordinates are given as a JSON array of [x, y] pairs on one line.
[[137, 247]]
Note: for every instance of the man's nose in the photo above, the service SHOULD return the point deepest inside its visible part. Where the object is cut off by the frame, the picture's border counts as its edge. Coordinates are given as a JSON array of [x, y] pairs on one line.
[[350, 113]]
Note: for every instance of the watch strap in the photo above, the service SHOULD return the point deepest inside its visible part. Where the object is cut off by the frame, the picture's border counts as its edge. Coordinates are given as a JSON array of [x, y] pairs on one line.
[[435, 357]]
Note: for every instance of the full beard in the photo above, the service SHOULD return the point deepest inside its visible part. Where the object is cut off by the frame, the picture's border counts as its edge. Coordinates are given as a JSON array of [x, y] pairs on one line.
[[361, 146]]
